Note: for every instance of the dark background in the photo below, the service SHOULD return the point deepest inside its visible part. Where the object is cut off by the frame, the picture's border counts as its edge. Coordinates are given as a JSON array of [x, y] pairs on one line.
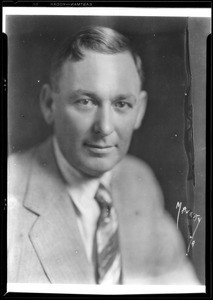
[[161, 43]]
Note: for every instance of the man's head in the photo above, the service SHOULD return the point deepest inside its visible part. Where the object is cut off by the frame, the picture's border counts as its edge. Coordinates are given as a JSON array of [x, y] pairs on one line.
[[95, 99]]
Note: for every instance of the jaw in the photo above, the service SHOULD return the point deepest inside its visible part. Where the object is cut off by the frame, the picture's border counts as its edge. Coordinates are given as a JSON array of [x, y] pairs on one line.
[[96, 166]]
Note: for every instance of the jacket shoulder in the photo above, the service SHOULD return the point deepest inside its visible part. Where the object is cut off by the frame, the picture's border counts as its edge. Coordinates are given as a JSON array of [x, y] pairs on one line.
[[137, 180], [139, 172], [136, 166], [22, 165], [19, 165], [20, 159]]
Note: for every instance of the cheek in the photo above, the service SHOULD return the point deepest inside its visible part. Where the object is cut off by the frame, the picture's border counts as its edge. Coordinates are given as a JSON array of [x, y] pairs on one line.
[[69, 124], [125, 130]]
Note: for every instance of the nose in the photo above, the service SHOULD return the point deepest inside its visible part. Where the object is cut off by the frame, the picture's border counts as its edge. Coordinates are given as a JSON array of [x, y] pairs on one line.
[[104, 121]]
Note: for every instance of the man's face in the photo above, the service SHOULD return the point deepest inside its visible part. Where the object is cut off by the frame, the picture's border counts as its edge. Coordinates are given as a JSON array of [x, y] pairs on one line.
[[97, 108]]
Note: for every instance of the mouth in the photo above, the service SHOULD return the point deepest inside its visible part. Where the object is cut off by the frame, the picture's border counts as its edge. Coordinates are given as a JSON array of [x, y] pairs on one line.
[[100, 149]]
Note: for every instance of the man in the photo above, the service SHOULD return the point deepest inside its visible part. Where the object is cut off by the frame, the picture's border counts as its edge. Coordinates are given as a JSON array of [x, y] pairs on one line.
[[80, 209]]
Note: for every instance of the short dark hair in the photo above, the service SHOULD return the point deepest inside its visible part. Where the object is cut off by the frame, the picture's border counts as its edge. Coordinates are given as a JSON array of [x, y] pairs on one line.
[[96, 38]]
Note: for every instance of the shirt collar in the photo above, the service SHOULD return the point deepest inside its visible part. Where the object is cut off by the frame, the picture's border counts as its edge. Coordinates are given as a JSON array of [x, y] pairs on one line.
[[79, 186]]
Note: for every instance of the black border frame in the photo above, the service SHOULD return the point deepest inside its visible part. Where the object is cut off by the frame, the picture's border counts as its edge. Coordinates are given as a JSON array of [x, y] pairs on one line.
[[3, 220]]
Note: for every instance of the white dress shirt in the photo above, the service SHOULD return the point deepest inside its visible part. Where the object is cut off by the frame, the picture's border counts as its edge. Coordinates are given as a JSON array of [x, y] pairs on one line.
[[82, 191]]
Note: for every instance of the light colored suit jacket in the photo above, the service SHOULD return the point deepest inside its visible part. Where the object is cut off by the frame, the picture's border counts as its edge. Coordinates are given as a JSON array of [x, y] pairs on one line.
[[44, 242]]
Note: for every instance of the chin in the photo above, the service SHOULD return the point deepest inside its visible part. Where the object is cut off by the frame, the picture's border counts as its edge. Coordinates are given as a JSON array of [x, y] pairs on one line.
[[98, 169], [96, 172]]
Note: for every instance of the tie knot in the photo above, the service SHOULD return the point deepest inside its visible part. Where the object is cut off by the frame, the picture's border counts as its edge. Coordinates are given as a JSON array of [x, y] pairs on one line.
[[104, 200]]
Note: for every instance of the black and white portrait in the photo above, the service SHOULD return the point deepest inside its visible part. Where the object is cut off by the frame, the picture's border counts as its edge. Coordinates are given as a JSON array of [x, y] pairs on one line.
[[106, 139]]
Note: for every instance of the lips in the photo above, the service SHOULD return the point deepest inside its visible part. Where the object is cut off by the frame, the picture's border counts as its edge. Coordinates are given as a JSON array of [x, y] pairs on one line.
[[99, 148]]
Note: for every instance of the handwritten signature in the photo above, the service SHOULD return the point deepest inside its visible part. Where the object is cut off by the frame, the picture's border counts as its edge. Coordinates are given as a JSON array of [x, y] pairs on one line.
[[193, 216]]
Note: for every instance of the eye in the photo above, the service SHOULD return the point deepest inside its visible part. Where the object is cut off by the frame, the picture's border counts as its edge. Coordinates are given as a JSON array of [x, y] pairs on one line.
[[85, 103], [122, 105]]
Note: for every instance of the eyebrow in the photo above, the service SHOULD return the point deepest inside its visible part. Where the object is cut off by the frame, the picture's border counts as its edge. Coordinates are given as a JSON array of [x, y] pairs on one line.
[[80, 92], [90, 94]]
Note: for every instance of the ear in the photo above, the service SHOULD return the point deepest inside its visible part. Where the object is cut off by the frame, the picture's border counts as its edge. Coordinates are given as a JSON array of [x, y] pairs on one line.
[[47, 104], [141, 109]]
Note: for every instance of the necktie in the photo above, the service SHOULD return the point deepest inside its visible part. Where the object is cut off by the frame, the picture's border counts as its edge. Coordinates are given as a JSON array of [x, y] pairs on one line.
[[107, 254]]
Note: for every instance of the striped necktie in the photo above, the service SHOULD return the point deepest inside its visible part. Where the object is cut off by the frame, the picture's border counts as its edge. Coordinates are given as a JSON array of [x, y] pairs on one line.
[[107, 254]]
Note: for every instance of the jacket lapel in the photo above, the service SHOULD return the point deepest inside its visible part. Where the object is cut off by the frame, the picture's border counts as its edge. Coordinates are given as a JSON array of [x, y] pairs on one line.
[[55, 235]]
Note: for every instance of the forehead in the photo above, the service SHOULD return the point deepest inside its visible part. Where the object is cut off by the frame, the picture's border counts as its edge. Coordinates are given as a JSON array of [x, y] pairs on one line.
[[97, 70]]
